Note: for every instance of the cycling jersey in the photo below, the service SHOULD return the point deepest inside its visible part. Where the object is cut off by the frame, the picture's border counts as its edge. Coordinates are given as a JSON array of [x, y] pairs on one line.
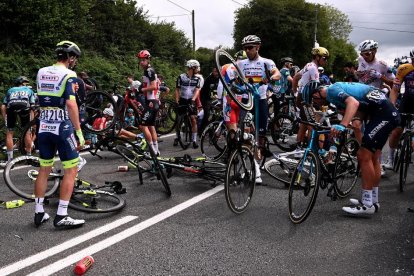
[[148, 77], [21, 96], [187, 85], [56, 85], [256, 70], [405, 74], [283, 83], [309, 73], [364, 71]]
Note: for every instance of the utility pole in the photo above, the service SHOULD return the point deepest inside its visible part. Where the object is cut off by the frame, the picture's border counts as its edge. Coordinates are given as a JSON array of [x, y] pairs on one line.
[[192, 16], [316, 44]]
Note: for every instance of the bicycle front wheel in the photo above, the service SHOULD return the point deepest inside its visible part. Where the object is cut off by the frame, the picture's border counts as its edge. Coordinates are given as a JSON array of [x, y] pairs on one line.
[[95, 201], [346, 169], [405, 158], [240, 180], [166, 118], [303, 188], [213, 141], [184, 130], [283, 130], [21, 173]]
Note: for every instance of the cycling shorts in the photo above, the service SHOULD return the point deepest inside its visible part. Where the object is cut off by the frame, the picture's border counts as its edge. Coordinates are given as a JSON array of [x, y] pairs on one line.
[[306, 112], [183, 106], [57, 136], [149, 114], [383, 120], [406, 106], [263, 115], [231, 111], [12, 116]]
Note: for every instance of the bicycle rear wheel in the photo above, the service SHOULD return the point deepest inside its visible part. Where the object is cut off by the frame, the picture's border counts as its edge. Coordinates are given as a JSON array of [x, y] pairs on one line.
[[223, 58], [95, 201], [28, 138], [280, 171], [303, 188], [20, 175], [405, 158], [283, 130], [346, 169], [213, 141], [184, 130], [92, 108], [166, 117], [240, 180]]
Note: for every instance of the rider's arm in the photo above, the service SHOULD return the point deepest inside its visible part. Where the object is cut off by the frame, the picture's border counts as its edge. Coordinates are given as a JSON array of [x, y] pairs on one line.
[[3, 110], [196, 94], [394, 93], [275, 74], [295, 81], [177, 95], [71, 105], [351, 108]]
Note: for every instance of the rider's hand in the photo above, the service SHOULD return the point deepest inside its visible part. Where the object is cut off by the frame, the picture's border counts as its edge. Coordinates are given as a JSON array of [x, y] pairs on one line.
[[337, 129], [80, 137], [375, 74]]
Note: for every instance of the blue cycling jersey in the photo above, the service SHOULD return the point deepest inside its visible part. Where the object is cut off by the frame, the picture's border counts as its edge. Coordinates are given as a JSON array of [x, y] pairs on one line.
[[283, 82], [19, 95], [338, 92]]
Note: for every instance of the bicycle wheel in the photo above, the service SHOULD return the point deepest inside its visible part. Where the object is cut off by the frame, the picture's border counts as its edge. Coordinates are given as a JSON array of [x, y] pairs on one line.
[[281, 171], [303, 188], [405, 158], [159, 171], [346, 169], [240, 180], [283, 129], [20, 175], [223, 58], [213, 141], [92, 108], [28, 138], [397, 160], [91, 200], [166, 118], [16, 138], [184, 130]]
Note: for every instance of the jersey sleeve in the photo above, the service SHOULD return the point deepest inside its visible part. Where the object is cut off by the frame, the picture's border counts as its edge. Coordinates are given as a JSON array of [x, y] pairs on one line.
[[178, 82], [271, 66], [150, 74], [32, 97], [70, 88]]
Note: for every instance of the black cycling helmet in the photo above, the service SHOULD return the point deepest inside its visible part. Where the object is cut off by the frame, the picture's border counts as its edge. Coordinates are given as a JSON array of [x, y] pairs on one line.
[[240, 55], [286, 59], [309, 89], [20, 80], [67, 48]]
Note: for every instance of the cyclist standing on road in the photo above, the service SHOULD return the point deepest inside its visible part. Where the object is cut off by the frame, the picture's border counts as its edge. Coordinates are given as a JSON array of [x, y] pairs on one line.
[[383, 118], [149, 88], [16, 102], [405, 74], [59, 119], [186, 93], [282, 88], [206, 91]]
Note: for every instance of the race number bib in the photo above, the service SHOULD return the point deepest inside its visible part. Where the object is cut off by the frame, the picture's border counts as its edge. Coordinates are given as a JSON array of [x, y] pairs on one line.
[[52, 115]]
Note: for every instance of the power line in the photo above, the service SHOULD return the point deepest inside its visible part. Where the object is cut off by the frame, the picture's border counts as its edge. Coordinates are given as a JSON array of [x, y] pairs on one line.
[[390, 23], [178, 5], [380, 13], [186, 14], [238, 3], [388, 30]]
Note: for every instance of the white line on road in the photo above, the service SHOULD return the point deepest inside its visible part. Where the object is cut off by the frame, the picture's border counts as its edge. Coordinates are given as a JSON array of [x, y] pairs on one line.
[[65, 262], [64, 246]]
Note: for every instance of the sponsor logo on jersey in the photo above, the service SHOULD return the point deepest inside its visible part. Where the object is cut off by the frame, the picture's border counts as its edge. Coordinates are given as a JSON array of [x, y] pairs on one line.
[[377, 128], [46, 127], [49, 78], [46, 87]]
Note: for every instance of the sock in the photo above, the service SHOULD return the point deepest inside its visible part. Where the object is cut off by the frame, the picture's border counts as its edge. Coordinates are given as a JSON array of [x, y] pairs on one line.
[[9, 155], [391, 154], [39, 205], [367, 198], [155, 146], [258, 173], [374, 194], [195, 137], [63, 208]]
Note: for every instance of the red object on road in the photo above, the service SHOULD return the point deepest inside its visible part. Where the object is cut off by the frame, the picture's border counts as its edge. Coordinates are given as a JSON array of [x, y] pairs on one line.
[[83, 265]]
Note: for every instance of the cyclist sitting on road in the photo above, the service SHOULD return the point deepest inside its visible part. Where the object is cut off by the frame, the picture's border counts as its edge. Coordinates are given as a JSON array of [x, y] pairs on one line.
[[17, 101], [149, 88], [59, 117], [186, 92], [405, 74], [383, 118]]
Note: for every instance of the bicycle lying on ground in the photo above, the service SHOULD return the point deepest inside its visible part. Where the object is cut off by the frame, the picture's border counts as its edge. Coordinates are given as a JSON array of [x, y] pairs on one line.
[[21, 173]]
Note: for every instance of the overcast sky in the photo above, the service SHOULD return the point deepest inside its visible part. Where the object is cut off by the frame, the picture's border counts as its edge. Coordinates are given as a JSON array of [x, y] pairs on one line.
[[214, 20]]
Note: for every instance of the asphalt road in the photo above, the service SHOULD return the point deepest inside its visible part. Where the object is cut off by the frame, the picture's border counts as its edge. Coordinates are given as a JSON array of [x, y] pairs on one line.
[[194, 232]]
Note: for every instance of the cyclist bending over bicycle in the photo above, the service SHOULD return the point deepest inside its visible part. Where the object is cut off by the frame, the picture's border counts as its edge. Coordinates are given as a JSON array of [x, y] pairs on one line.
[[186, 93], [383, 118], [150, 85], [17, 101]]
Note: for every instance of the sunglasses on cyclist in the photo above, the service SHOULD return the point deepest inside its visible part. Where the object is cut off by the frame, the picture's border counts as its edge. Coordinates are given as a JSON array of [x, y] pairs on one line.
[[248, 47], [366, 54], [324, 58]]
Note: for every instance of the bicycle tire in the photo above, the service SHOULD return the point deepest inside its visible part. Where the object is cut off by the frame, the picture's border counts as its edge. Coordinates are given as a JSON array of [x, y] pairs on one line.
[[213, 141], [279, 171], [87, 200], [308, 190], [405, 161], [30, 129], [346, 168], [92, 108], [222, 58], [20, 174], [159, 171], [283, 129], [184, 130], [166, 117], [240, 183], [397, 160]]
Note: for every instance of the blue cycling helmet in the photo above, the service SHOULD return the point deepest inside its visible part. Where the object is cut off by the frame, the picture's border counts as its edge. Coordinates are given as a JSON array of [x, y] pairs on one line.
[[130, 110], [309, 89]]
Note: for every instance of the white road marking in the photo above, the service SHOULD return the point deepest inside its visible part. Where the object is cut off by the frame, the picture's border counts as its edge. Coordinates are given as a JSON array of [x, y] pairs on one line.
[[64, 246], [65, 262]]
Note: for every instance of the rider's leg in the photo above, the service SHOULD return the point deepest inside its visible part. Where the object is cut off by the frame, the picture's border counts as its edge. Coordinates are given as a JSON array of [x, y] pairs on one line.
[[9, 144]]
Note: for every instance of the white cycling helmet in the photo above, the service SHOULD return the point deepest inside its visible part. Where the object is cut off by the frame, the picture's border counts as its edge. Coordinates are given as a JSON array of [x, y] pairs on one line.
[[251, 40], [193, 63], [320, 69], [109, 112], [367, 45]]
